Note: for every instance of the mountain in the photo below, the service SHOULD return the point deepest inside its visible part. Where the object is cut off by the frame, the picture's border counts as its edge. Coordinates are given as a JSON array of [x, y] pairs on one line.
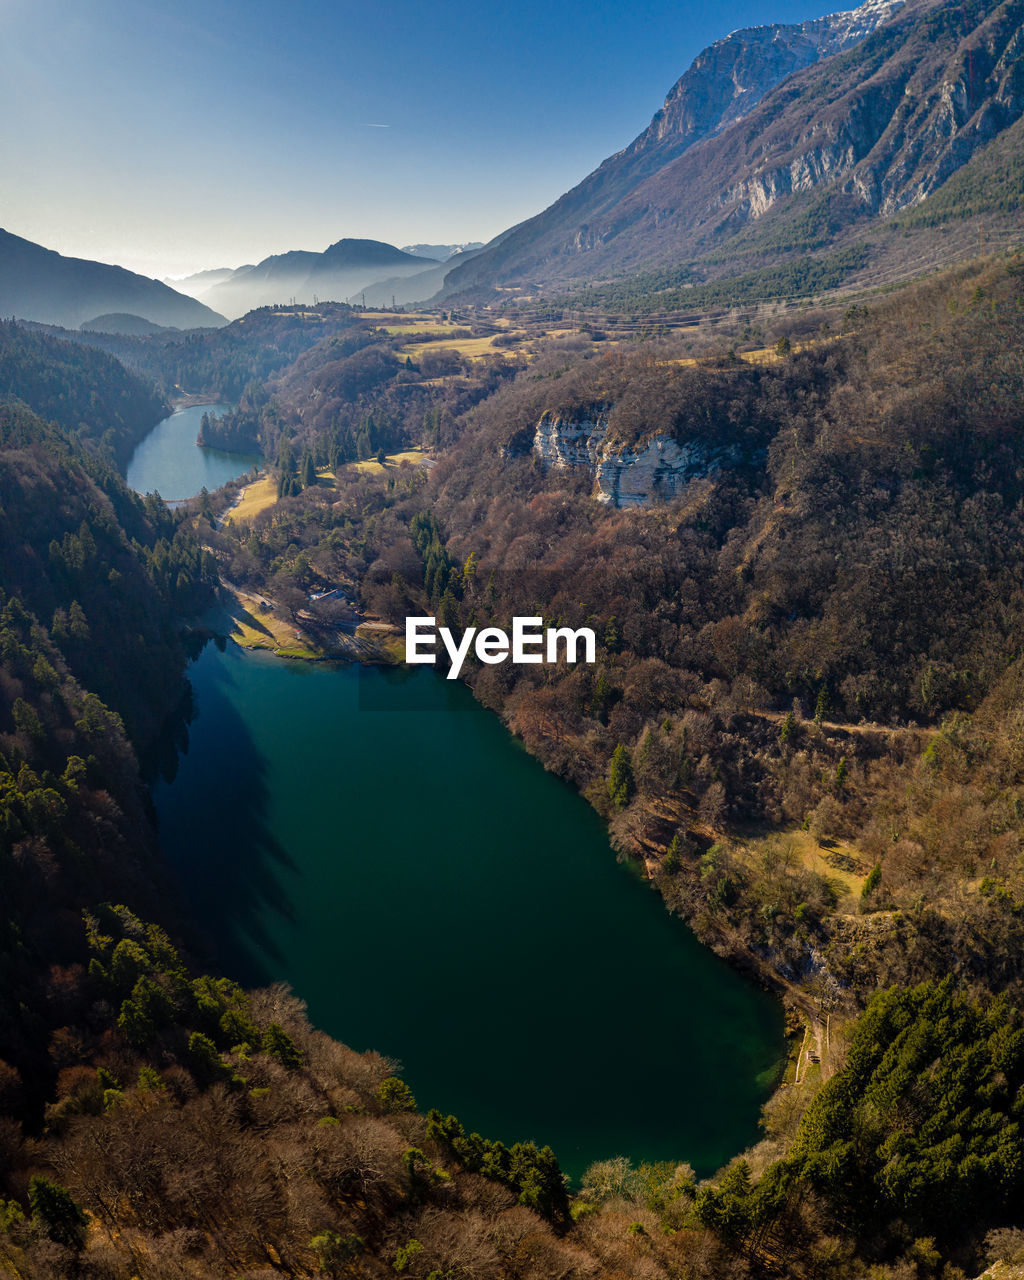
[[198, 283], [337, 274], [40, 284], [86, 392], [785, 140], [124, 323], [441, 252], [405, 290]]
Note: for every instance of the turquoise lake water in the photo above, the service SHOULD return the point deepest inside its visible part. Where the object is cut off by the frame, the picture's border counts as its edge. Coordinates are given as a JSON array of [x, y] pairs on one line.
[[378, 840]]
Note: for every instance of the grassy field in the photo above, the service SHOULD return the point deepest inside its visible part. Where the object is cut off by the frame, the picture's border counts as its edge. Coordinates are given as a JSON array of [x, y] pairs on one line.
[[472, 347], [263, 494], [387, 639], [769, 355], [839, 862], [758, 355], [256, 628], [257, 497], [372, 467], [439, 327]]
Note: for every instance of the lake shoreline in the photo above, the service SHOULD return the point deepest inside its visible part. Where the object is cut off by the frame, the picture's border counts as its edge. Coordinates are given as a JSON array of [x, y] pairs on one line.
[[257, 623], [194, 401], [253, 622], [169, 462]]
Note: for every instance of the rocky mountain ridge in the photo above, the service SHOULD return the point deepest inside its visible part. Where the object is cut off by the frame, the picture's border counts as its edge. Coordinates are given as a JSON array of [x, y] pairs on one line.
[[781, 140], [729, 78]]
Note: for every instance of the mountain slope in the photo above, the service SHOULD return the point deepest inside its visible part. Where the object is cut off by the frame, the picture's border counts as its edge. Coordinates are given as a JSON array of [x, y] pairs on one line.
[[415, 288], [341, 271], [200, 282], [441, 252], [754, 154], [40, 284], [88, 393], [124, 323]]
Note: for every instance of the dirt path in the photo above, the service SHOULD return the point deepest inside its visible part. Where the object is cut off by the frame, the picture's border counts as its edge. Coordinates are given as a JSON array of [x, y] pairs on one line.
[[840, 726], [816, 1047], [237, 502]]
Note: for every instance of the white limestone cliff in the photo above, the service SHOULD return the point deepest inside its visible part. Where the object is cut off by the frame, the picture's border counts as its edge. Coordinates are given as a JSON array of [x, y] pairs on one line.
[[655, 470]]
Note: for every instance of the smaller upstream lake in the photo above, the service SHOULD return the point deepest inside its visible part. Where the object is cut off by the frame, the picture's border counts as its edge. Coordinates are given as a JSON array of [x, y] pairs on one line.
[[169, 461]]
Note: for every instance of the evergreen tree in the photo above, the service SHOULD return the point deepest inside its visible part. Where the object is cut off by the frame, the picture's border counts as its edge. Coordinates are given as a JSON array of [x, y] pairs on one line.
[[53, 1208], [620, 777], [279, 1044], [206, 1061], [469, 570], [394, 1095]]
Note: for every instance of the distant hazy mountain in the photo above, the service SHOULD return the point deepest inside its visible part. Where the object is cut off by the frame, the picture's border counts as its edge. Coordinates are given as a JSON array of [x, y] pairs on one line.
[[785, 140], [404, 290], [201, 281], [39, 284], [336, 275], [128, 325], [441, 252]]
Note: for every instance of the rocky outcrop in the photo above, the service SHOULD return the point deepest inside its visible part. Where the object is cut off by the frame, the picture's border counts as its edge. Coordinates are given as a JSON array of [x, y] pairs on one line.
[[812, 130], [732, 75], [653, 470], [896, 138], [723, 85]]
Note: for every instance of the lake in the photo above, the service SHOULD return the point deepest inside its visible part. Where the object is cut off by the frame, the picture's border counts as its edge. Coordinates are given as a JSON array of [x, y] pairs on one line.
[[380, 842], [169, 461]]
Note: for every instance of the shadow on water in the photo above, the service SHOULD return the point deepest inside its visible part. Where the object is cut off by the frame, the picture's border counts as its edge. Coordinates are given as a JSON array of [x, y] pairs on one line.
[[225, 853], [402, 689]]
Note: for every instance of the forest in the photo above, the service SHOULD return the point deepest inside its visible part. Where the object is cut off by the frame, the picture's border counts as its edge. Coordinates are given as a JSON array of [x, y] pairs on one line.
[[88, 393], [677, 288], [216, 362], [819, 642], [803, 725]]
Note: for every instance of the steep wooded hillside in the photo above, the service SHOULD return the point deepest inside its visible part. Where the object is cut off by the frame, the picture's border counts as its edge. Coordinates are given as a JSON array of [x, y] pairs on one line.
[[85, 391]]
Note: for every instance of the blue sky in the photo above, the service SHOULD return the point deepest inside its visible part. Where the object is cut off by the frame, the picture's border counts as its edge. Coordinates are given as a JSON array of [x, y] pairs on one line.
[[173, 137]]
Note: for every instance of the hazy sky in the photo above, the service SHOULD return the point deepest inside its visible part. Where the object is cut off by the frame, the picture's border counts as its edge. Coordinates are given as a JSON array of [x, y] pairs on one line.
[[169, 137]]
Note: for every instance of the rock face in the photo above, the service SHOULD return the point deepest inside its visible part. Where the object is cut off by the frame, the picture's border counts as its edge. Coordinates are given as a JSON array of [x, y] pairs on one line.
[[801, 134], [653, 471], [731, 76]]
